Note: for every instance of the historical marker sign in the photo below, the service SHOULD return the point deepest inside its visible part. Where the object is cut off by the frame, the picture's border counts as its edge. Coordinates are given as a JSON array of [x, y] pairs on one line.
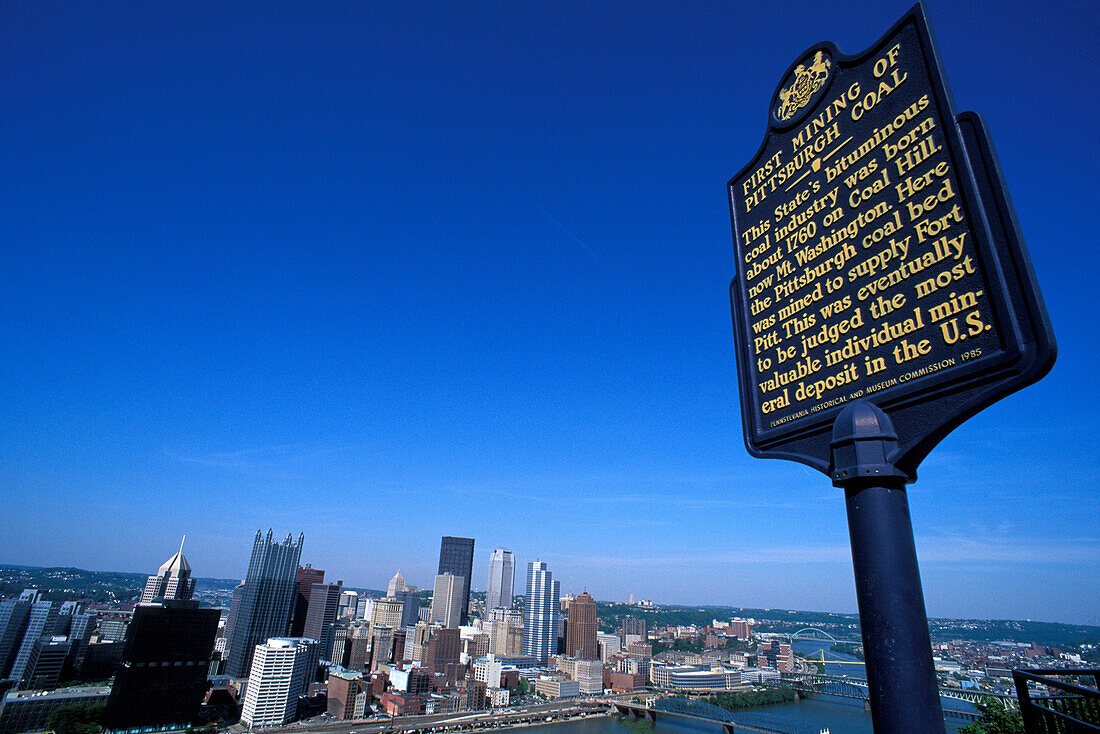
[[878, 257]]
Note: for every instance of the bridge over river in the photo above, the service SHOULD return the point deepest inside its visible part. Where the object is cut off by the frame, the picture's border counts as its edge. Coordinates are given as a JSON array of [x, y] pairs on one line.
[[762, 722], [846, 687], [686, 709]]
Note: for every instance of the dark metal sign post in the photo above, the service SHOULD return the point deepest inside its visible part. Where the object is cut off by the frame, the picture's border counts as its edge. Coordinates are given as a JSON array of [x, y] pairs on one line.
[[883, 295]]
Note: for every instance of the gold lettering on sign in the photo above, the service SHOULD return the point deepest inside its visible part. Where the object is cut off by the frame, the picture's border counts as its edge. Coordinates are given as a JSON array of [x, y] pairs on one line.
[[861, 274]]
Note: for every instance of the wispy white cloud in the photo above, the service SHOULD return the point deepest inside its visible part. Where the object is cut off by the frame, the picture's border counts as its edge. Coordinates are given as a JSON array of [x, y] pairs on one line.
[[282, 462], [747, 556], [999, 547], [932, 549]]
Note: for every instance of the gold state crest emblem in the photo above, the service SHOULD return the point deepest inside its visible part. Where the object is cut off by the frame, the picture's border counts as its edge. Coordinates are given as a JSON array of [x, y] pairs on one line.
[[805, 85]]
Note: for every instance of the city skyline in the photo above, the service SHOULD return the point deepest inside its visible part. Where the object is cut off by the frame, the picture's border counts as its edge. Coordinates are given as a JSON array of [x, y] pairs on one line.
[[472, 266]]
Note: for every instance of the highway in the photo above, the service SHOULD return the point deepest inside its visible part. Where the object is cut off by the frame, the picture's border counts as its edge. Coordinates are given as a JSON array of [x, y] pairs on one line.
[[443, 722]]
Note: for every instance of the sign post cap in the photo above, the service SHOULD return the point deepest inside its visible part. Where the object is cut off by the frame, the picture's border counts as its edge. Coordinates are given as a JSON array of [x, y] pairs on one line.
[[863, 443]]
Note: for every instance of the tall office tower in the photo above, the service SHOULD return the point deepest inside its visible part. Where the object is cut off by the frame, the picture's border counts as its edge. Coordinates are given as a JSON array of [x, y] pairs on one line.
[[14, 615], [63, 625], [447, 599], [321, 616], [43, 615], [580, 635], [387, 612], [416, 641], [410, 606], [506, 635], [281, 670], [165, 660], [172, 581], [381, 645], [397, 583], [358, 647], [633, 626], [234, 612], [304, 580], [339, 634], [266, 600], [46, 661], [502, 567], [540, 613], [349, 604], [456, 556], [80, 634], [443, 652]]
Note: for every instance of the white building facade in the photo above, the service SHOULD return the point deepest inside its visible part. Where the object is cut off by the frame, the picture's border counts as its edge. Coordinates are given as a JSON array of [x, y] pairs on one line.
[[281, 670]]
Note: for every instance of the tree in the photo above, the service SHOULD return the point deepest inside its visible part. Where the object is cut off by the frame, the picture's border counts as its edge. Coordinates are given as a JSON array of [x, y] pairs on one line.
[[76, 719], [996, 719]]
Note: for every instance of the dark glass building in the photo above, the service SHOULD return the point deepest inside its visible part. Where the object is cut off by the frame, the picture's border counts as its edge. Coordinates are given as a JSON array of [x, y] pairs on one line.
[[456, 556], [165, 659], [266, 600], [306, 577], [321, 616]]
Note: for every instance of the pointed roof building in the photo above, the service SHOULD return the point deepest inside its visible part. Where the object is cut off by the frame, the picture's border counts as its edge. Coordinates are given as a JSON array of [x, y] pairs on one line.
[[172, 581], [397, 584]]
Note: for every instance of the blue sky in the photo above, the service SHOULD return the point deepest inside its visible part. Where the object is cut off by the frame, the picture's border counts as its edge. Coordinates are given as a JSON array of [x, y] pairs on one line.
[[381, 272]]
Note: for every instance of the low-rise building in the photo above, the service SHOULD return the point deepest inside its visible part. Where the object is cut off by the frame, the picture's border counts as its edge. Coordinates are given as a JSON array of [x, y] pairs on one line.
[[30, 710], [554, 688], [497, 697], [347, 694], [396, 703]]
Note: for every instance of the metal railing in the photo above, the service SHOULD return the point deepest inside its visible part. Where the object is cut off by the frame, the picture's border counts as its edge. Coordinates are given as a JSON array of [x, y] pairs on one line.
[[1051, 704]]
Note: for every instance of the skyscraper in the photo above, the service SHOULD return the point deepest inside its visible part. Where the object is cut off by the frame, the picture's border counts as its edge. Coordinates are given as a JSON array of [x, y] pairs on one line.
[[506, 632], [172, 581], [580, 637], [540, 612], [40, 623], [165, 659], [447, 606], [14, 615], [266, 600], [321, 616], [634, 626], [410, 601], [304, 580], [502, 566], [280, 672], [456, 556], [397, 584]]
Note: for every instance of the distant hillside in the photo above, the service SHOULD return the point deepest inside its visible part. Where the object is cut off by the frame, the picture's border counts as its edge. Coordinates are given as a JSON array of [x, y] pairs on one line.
[[789, 621], [107, 587], [65, 584]]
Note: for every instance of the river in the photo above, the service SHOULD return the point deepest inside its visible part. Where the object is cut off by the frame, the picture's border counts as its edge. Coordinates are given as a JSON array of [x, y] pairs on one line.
[[838, 715]]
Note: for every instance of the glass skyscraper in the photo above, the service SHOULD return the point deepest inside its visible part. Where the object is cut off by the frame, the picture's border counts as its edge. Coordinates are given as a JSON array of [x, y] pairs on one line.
[[456, 557], [266, 599], [502, 567], [540, 613]]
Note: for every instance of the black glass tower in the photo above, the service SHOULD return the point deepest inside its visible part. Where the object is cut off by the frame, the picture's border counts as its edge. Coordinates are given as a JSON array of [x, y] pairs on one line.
[[456, 556], [266, 600]]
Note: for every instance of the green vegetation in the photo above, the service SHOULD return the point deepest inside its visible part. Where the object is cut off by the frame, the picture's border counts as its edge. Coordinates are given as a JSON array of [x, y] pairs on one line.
[[65, 584], [681, 645], [848, 648], [995, 720], [637, 726], [750, 699], [76, 719], [521, 689]]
